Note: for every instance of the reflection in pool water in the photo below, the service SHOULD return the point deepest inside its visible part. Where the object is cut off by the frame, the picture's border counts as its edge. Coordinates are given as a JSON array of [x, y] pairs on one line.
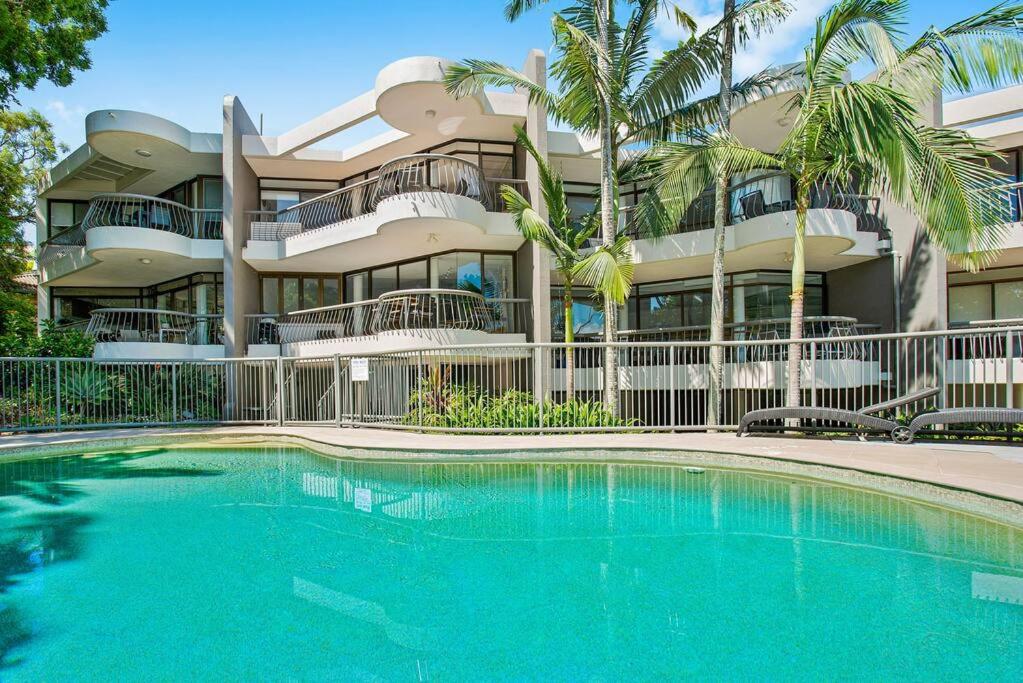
[[279, 563]]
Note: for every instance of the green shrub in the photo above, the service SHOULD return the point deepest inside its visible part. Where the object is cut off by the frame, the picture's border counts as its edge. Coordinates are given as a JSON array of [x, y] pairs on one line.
[[439, 403]]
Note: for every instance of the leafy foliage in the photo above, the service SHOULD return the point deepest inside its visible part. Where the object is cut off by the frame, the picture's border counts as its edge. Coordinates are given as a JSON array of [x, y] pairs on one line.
[[51, 342], [27, 148], [438, 402], [46, 39]]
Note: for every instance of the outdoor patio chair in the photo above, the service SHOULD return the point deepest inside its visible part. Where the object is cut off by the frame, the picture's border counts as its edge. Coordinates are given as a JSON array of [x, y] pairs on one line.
[[752, 205], [951, 416], [865, 417]]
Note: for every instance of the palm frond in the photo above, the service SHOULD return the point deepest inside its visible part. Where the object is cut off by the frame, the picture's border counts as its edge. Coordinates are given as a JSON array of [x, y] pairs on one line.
[[470, 76], [609, 270], [960, 199], [514, 9], [984, 50]]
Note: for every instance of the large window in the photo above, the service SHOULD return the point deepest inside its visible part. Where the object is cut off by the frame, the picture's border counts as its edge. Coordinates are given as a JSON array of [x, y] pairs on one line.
[[497, 159], [64, 214], [199, 293], [990, 295], [285, 293], [489, 274], [686, 303]]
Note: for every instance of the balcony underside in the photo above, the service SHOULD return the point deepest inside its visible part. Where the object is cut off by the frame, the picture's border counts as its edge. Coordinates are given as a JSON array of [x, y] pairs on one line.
[[403, 227], [156, 351], [397, 340], [764, 242], [113, 256]]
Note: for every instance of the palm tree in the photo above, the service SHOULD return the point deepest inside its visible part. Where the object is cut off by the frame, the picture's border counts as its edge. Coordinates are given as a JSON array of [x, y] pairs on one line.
[[870, 132], [608, 88], [721, 204], [606, 270]]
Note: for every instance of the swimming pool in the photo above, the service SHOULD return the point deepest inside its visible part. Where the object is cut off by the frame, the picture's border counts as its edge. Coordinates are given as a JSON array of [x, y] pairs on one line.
[[279, 563]]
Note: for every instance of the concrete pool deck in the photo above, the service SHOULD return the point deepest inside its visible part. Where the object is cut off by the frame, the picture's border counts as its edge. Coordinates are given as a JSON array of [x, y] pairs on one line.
[[990, 469]]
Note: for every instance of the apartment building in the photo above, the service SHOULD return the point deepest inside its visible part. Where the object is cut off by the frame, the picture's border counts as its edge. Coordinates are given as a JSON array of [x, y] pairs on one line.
[[169, 243]]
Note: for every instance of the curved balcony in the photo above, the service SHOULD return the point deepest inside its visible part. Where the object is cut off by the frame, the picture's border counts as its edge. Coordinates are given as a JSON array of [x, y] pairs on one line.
[[397, 319], [843, 227], [122, 210], [155, 333], [166, 240], [416, 199]]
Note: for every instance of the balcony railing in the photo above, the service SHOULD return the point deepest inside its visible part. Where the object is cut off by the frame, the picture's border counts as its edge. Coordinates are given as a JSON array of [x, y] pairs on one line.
[[402, 310], [62, 244], [414, 174], [763, 195], [1014, 198], [154, 325], [140, 211], [814, 327]]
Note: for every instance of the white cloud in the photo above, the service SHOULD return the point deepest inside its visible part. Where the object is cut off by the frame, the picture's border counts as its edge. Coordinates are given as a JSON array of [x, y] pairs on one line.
[[65, 113], [784, 44]]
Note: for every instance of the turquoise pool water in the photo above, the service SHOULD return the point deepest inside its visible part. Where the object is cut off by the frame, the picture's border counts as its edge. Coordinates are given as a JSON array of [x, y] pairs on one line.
[[277, 563]]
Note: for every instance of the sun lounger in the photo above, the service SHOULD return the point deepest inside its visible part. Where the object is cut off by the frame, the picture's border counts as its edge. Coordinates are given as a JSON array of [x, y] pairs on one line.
[[865, 417]]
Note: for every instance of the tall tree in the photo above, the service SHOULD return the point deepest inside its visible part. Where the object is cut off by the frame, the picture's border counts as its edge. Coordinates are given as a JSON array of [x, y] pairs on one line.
[[869, 132], [46, 39], [609, 88], [566, 240], [27, 148], [721, 206]]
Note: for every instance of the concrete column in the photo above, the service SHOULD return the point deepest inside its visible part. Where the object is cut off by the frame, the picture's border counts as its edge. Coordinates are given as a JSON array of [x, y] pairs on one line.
[[241, 194], [537, 260], [42, 293], [922, 268]]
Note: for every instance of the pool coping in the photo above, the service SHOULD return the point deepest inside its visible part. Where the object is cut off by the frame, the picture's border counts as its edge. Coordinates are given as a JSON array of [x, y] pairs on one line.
[[983, 479]]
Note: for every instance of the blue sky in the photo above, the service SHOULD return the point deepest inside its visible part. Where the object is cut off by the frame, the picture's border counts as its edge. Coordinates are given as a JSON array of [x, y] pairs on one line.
[[291, 61]]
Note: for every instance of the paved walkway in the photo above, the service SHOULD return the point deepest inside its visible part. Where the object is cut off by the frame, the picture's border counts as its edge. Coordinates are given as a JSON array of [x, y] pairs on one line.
[[990, 469]]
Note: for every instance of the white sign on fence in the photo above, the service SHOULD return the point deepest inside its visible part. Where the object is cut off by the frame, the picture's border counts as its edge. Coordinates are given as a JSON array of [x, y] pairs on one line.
[[364, 500], [360, 369]]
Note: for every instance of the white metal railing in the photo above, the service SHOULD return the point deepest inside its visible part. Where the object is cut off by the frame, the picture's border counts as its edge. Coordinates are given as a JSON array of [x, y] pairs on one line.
[[81, 393], [155, 325], [327, 209], [67, 242], [405, 310], [153, 213], [1014, 199], [413, 174], [512, 388], [767, 194], [768, 328], [433, 173]]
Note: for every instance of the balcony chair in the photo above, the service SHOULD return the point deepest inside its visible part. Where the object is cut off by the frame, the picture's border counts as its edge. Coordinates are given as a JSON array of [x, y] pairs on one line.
[[752, 205], [865, 417], [951, 416]]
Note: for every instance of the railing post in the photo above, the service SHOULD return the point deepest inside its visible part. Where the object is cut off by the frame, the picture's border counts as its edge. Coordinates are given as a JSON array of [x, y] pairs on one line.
[[57, 397], [337, 390], [671, 386], [813, 374], [538, 389], [1008, 370], [419, 387], [174, 393], [280, 391]]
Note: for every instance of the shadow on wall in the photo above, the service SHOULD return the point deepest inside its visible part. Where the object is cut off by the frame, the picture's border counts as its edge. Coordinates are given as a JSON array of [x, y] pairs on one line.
[[920, 290]]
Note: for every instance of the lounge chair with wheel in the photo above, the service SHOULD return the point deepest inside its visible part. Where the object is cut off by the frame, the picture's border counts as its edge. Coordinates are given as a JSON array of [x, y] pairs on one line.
[[953, 416], [865, 417]]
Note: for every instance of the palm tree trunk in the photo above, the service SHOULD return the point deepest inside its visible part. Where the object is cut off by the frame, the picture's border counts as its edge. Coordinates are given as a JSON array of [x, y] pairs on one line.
[[569, 339], [721, 203], [607, 204], [793, 398]]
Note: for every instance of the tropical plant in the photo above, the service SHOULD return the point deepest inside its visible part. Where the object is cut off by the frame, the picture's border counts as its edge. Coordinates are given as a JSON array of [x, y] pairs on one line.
[[870, 132], [439, 403], [606, 270], [85, 388], [608, 88]]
